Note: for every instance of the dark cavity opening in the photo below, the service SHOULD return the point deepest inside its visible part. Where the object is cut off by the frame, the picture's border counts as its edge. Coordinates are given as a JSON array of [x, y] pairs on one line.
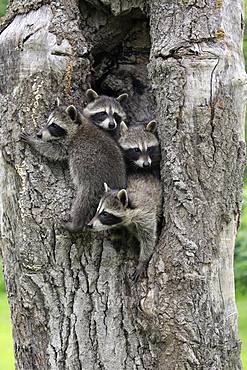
[[120, 48]]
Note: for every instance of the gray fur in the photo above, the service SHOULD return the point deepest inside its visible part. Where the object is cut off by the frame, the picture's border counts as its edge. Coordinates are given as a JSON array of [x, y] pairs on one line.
[[139, 208], [143, 138], [93, 156], [109, 107]]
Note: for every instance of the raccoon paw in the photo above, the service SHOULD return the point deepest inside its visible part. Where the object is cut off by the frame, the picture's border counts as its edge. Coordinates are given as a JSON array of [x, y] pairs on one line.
[[141, 271], [25, 137]]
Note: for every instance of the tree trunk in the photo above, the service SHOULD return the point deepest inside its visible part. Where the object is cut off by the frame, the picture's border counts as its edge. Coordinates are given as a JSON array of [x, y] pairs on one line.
[[73, 304]]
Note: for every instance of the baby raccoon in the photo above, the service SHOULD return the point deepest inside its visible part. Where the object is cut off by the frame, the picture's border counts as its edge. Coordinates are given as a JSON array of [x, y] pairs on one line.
[[140, 146], [138, 209], [93, 158], [105, 111]]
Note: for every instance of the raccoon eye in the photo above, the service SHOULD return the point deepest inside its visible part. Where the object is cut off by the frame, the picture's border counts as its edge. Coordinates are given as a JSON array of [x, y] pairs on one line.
[[137, 150], [104, 213], [56, 130], [152, 149], [117, 118], [101, 116], [53, 125], [109, 219]]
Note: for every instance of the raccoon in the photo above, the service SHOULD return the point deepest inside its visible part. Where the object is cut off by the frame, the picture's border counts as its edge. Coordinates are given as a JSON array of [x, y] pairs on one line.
[[141, 147], [105, 111], [93, 158], [138, 209]]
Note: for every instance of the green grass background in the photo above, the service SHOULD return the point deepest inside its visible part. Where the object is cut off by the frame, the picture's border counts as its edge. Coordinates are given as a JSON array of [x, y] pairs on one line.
[[3, 4], [6, 343], [242, 325]]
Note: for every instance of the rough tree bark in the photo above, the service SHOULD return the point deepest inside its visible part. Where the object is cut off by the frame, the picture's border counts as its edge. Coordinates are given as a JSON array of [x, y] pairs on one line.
[[73, 304]]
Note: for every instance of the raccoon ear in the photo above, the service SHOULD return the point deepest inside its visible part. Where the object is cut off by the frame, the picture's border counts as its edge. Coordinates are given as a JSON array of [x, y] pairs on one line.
[[72, 112], [57, 102], [121, 98], [151, 126], [123, 197], [91, 95], [106, 187], [123, 128]]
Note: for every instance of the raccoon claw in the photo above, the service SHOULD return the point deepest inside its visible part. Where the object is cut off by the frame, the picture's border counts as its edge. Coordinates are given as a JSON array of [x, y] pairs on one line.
[[25, 137], [141, 271]]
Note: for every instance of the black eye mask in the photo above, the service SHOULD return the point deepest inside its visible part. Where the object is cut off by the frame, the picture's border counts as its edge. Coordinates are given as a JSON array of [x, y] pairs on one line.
[[133, 153], [109, 219], [117, 118], [56, 130], [154, 153], [99, 117]]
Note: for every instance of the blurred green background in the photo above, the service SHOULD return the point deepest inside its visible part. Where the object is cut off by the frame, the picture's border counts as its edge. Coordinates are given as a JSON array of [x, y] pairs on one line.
[[3, 4], [6, 345]]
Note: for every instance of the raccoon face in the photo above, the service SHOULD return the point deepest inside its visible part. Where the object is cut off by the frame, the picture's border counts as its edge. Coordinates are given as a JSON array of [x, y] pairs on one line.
[[61, 123], [111, 210], [104, 111], [140, 145]]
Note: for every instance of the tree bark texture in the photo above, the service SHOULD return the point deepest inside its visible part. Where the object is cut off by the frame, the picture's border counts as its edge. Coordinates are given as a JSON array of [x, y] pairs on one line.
[[73, 304]]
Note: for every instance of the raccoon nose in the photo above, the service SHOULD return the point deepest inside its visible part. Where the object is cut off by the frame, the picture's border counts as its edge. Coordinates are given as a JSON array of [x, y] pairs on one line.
[[111, 125], [39, 135], [146, 164], [90, 226]]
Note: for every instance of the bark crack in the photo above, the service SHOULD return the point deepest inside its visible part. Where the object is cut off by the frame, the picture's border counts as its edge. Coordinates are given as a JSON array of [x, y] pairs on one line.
[[212, 105]]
